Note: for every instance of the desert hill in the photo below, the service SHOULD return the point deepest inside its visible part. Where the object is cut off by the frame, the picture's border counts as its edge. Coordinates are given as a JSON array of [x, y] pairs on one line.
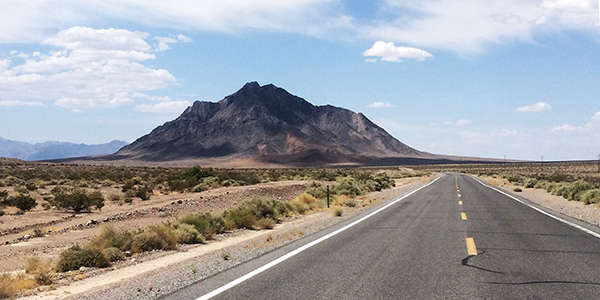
[[266, 124]]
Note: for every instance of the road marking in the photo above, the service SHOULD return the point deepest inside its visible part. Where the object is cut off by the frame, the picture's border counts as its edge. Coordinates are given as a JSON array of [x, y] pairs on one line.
[[459, 202], [459, 196], [593, 233], [463, 216], [458, 190], [298, 250], [471, 247]]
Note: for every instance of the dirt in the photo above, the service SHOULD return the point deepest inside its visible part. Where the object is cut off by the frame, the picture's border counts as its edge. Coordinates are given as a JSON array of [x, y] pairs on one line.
[[59, 229], [89, 279]]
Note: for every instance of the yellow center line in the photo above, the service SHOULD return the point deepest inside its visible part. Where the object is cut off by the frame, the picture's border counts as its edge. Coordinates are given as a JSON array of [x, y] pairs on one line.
[[463, 216], [459, 196], [471, 247], [459, 202]]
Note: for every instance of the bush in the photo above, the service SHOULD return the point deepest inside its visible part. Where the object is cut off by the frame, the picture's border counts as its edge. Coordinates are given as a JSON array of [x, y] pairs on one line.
[[148, 241], [350, 203], [205, 223], [187, 234], [266, 223], [77, 199], [77, 257], [517, 189], [25, 202], [111, 236], [239, 217], [591, 196], [530, 183], [337, 211], [113, 254]]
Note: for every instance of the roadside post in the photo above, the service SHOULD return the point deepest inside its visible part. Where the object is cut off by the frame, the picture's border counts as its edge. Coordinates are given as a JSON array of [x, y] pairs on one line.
[[328, 196]]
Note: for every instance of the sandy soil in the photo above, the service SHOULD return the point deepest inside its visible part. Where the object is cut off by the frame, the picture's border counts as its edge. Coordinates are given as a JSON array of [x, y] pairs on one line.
[[86, 281], [63, 229]]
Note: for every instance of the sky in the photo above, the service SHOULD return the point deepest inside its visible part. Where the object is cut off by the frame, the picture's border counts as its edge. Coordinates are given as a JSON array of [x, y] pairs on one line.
[[498, 78]]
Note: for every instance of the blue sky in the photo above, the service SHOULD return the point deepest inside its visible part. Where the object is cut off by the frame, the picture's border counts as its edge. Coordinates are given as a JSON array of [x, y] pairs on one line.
[[476, 78]]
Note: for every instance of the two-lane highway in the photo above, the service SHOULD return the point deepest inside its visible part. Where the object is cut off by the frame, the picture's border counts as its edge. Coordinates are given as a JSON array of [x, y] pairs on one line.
[[453, 239]]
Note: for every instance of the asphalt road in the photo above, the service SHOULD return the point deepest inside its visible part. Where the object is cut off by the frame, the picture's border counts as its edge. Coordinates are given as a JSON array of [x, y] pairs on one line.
[[454, 239]]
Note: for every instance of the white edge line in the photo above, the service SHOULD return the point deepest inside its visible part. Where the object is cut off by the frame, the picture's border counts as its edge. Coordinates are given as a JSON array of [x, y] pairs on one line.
[[593, 233], [293, 253]]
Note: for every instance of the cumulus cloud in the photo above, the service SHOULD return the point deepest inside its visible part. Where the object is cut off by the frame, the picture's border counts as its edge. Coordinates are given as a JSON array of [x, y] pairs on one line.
[[93, 68], [593, 126], [389, 52], [540, 106], [380, 105], [164, 107]]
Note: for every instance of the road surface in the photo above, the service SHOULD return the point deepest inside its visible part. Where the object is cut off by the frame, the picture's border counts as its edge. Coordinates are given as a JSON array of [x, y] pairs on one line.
[[453, 239]]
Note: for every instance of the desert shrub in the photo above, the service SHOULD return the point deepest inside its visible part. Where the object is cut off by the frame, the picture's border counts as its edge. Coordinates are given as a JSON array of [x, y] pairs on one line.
[[143, 192], [517, 189], [25, 202], [111, 236], [239, 217], [591, 196], [167, 233], [7, 286], [147, 241], [350, 203], [40, 268], [577, 189], [76, 257], [3, 194], [230, 182], [513, 178], [113, 254], [77, 199], [205, 223], [114, 197], [316, 190], [531, 183], [300, 207], [307, 199], [337, 211], [266, 223], [559, 189], [347, 185], [187, 234]]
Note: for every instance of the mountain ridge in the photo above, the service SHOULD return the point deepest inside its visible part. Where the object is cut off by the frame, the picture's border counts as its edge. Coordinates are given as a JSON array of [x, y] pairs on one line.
[[267, 123], [55, 149]]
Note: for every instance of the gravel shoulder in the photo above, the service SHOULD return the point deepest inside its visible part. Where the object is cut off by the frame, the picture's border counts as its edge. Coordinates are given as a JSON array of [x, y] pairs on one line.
[[154, 274]]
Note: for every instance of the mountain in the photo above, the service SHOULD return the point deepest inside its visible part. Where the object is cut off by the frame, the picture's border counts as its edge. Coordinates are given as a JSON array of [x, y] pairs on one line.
[[266, 124], [54, 150]]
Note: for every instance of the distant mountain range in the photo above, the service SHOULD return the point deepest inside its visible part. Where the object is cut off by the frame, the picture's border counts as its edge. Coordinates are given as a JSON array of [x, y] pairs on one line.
[[55, 150]]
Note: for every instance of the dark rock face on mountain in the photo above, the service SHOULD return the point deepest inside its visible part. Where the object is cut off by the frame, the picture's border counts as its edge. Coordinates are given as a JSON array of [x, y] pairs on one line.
[[267, 123]]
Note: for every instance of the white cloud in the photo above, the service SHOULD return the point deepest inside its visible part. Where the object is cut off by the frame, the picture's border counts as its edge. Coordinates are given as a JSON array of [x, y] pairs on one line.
[[163, 42], [461, 26], [389, 52], [96, 68], [593, 126], [472, 25], [164, 107], [380, 105], [540, 106], [19, 103], [29, 21], [184, 39], [371, 60], [462, 122]]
